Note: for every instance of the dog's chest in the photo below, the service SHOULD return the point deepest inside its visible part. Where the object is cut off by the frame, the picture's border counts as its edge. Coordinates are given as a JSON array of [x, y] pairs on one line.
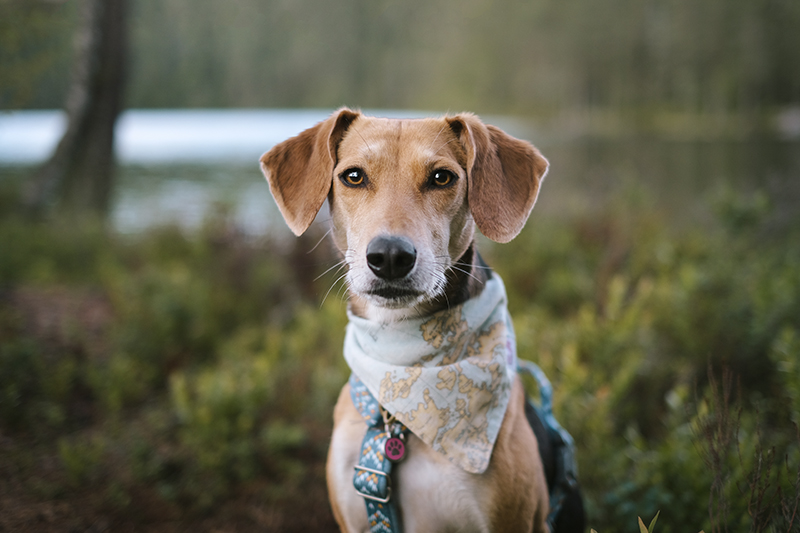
[[432, 493]]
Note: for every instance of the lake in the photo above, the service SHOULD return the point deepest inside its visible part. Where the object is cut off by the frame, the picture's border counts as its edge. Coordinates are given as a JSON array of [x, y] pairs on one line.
[[177, 165]]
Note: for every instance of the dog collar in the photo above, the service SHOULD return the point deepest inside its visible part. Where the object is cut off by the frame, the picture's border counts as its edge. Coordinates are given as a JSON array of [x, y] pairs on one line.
[[383, 445], [446, 377]]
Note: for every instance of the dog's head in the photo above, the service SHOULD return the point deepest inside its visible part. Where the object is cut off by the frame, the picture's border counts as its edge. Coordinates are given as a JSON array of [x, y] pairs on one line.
[[405, 195]]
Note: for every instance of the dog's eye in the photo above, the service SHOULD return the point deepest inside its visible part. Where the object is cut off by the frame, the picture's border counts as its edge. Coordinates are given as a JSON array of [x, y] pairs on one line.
[[442, 178], [353, 177]]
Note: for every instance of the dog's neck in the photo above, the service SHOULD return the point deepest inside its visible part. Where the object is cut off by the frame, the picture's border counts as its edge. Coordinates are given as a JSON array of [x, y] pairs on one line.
[[465, 280]]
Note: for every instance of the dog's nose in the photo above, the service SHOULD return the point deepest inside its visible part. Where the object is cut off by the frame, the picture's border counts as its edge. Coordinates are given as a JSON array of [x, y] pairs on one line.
[[391, 257]]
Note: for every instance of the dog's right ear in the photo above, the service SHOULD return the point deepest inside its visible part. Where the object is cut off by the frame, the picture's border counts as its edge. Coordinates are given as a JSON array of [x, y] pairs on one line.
[[300, 170]]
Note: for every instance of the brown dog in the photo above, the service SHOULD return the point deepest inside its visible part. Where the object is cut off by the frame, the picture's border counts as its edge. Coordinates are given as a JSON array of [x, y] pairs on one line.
[[405, 197]]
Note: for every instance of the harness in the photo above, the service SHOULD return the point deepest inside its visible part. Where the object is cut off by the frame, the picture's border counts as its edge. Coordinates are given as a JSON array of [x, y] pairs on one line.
[[566, 469], [384, 445]]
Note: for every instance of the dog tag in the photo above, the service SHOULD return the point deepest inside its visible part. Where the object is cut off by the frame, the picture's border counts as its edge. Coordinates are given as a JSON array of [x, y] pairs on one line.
[[395, 449]]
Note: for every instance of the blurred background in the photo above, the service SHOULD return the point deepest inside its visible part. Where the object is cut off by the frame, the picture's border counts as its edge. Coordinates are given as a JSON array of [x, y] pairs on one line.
[[170, 353]]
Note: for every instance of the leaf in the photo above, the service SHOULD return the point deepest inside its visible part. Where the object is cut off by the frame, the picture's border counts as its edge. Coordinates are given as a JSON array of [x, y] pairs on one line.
[[653, 523], [641, 526]]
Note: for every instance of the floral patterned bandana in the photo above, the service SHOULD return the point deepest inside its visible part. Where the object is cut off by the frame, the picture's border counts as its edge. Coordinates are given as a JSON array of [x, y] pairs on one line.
[[446, 377]]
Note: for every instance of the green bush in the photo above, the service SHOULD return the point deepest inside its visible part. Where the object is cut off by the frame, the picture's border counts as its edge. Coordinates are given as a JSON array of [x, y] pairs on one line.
[[674, 356], [36, 387], [245, 414], [627, 322], [82, 458]]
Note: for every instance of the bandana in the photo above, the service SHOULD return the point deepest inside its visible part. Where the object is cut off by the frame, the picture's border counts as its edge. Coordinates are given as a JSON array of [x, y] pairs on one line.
[[446, 377]]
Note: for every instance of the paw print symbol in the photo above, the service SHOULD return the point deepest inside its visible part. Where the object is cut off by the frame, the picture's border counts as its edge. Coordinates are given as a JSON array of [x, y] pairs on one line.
[[395, 449]]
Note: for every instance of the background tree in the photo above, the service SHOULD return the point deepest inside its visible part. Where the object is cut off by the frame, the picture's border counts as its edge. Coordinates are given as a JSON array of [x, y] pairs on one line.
[[78, 177]]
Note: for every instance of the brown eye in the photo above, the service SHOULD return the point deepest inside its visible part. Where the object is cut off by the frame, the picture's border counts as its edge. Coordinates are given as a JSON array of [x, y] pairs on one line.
[[353, 177], [442, 178]]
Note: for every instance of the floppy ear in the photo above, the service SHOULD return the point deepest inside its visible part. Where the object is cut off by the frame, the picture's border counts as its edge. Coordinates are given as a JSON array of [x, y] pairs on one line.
[[300, 170], [503, 177]]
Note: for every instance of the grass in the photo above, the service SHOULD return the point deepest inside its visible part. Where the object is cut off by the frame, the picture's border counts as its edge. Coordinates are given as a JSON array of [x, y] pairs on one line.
[[170, 380]]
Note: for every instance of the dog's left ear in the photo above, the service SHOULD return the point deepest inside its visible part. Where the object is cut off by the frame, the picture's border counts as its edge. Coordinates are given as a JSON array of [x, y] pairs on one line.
[[300, 170], [503, 176]]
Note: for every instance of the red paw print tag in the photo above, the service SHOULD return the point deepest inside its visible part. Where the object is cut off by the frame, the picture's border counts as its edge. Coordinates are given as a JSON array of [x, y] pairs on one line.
[[395, 449]]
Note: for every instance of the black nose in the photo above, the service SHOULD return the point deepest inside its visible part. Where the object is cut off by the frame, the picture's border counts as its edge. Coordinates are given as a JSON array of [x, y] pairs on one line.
[[391, 257]]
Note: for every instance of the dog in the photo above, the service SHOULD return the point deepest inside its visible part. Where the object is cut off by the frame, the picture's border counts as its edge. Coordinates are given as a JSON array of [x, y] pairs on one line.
[[405, 197]]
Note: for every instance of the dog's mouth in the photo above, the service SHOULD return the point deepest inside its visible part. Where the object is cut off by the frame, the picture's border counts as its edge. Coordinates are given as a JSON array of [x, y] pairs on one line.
[[390, 296], [420, 285]]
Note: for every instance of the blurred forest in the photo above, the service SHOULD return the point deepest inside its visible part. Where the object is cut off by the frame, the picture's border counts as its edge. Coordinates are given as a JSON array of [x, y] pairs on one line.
[[173, 379], [544, 58]]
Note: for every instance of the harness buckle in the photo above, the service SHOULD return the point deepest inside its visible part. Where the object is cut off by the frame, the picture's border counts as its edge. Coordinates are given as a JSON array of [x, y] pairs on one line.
[[378, 473]]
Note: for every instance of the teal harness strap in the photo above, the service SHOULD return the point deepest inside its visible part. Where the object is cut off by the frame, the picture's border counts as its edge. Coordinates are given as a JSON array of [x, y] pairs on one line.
[[566, 477], [372, 479]]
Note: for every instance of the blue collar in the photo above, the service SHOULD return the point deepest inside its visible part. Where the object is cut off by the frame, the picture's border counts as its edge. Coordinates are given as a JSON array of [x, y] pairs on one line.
[[383, 445]]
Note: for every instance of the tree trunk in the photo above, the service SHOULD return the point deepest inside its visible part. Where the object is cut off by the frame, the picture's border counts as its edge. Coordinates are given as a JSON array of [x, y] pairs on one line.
[[78, 178]]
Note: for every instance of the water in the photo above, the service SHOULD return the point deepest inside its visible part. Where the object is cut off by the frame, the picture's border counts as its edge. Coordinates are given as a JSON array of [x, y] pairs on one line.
[[178, 165], [687, 179]]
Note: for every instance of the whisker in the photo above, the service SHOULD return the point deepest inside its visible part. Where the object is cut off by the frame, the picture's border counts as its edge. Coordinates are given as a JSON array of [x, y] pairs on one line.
[[446, 256], [433, 142], [331, 288], [457, 265], [443, 145], [320, 241], [339, 264], [470, 265], [363, 139], [470, 274], [342, 293]]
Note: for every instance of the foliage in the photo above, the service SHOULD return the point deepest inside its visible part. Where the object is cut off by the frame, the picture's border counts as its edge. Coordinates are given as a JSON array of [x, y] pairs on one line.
[[193, 369], [631, 321]]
